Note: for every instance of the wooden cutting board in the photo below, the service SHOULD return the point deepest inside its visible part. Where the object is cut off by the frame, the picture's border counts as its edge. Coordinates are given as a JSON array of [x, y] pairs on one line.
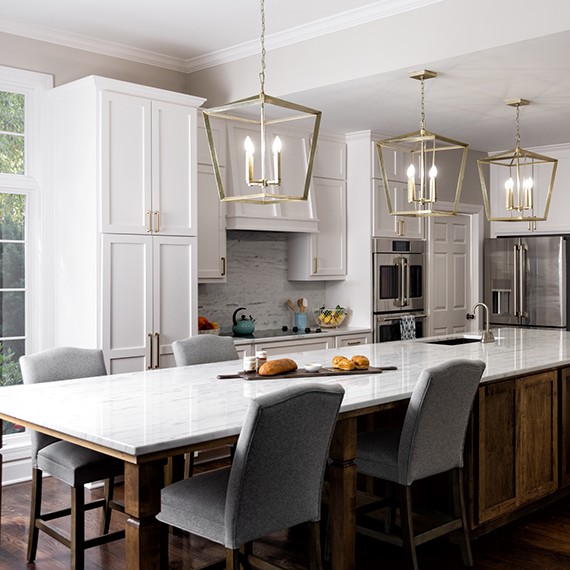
[[301, 373]]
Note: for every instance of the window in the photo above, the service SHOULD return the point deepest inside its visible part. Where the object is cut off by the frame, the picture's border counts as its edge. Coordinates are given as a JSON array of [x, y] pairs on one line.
[[22, 100]]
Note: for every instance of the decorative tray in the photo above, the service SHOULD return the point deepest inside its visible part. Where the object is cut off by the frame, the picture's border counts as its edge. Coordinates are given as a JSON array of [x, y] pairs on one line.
[[302, 373]]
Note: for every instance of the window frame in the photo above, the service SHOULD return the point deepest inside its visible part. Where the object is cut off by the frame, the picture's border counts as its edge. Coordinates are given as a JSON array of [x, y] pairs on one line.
[[38, 253]]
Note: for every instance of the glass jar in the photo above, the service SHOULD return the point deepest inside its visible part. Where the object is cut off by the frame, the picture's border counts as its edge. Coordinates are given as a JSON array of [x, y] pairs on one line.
[[249, 363], [261, 358]]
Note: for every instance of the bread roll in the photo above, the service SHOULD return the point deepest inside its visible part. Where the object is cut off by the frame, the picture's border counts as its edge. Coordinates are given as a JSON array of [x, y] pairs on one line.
[[278, 366], [361, 362], [346, 364], [336, 360]]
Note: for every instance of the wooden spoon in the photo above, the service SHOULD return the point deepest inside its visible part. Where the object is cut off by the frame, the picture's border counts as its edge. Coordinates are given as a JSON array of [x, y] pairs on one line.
[[291, 305]]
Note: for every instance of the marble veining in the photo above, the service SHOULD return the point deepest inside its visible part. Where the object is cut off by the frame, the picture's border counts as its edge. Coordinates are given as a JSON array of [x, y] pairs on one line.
[[143, 412]]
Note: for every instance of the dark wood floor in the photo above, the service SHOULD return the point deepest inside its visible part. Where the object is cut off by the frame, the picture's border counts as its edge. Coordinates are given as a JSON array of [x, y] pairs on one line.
[[538, 542]]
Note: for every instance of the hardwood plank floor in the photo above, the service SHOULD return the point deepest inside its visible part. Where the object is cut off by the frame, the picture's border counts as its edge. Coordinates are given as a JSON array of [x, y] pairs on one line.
[[540, 541]]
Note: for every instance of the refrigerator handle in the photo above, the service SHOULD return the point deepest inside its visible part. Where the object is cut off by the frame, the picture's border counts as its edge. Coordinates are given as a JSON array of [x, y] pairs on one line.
[[522, 293], [515, 279]]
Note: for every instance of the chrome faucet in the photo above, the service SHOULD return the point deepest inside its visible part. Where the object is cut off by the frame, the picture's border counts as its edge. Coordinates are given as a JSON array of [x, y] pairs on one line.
[[487, 334]]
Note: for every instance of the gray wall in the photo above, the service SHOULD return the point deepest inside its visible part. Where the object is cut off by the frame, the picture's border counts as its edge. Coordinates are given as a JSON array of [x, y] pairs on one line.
[[67, 64], [257, 280]]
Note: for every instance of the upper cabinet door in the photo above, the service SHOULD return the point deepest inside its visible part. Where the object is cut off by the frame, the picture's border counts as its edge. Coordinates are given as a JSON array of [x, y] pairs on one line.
[[173, 169], [126, 164], [148, 153]]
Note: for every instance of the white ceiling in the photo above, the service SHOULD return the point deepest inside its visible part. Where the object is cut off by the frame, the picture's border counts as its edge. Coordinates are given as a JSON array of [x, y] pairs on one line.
[[465, 102]]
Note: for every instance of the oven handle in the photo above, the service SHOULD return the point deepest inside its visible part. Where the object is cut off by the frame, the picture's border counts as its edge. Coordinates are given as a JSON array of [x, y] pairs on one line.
[[421, 316]]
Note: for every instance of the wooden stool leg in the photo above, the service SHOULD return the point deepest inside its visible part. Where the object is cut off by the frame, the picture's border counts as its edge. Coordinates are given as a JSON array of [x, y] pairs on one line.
[[460, 512], [77, 527], [314, 544], [35, 511], [232, 559], [407, 526], [109, 492]]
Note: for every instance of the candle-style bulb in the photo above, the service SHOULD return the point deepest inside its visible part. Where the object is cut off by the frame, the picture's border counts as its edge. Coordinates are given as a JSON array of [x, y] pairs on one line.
[[276, 148], [249, 148], [248, 145], [276, 145], [411, 172], [432, 176]]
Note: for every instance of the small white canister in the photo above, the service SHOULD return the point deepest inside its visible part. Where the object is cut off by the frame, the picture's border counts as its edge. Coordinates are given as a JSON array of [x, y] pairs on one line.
[[261, 358], [249, 363]]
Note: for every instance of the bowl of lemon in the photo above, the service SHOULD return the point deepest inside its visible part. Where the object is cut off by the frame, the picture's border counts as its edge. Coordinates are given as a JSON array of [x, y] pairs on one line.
[[330, 318]]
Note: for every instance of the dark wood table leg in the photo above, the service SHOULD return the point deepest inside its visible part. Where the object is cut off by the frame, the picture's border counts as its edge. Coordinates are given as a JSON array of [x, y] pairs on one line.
[[342, 477], [146, 538]]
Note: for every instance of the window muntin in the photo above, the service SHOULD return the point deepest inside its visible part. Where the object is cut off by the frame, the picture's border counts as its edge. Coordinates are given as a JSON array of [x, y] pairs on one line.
[[12, 133]]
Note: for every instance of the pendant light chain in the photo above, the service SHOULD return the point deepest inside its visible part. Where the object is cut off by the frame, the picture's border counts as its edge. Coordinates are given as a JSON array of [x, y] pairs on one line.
[[518, 127], [423, 113], [262, 39]]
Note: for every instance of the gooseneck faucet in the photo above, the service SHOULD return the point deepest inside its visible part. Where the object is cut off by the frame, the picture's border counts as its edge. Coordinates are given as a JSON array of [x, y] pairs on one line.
[[487, 334]]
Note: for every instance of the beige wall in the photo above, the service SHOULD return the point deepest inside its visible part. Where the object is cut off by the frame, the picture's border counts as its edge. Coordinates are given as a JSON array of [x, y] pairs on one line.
[[67, 64]]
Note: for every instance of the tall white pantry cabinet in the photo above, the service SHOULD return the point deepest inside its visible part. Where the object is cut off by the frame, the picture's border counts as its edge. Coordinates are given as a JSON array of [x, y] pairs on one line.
[[124, 176]]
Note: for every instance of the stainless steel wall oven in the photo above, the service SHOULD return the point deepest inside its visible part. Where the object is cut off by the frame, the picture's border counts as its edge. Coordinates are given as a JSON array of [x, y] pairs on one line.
[[398, 285]]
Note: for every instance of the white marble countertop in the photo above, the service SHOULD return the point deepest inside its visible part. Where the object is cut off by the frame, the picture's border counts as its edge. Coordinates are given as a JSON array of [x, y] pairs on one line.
[[144, 412]]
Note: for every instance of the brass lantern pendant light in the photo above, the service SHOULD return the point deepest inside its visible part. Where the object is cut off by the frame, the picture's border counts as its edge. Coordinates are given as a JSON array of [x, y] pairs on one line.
[[417, 154], [524, 181], [267, 114]]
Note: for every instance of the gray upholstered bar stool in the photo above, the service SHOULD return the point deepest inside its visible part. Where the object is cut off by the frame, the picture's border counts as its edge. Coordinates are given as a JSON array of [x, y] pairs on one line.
[[72, 464], [274, 482], [200, 350], [429, 442]]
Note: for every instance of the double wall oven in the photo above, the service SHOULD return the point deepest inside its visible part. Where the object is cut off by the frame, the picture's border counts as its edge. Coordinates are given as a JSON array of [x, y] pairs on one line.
[[398, 286]]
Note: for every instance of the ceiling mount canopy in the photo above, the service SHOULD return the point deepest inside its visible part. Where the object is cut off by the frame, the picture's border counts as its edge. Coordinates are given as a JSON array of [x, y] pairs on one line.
[[426, 171], [267, 114], [526, 177]]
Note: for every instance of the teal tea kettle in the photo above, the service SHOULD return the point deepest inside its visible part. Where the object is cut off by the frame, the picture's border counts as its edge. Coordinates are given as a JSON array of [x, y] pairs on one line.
[[243, 326]]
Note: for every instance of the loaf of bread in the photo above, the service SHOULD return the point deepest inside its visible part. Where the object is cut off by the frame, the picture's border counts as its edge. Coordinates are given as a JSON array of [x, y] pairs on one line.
[[278, 366], [361, 362], [343, 363]]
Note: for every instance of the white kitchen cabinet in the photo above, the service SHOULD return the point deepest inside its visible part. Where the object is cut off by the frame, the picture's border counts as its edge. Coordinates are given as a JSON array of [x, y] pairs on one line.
[[113, 146], [147, 148], [557, 221], [387, 225], [353, 339], [322, 256], [149, 292], [284, 347], [330, 159], [212, 260], [288, 216]]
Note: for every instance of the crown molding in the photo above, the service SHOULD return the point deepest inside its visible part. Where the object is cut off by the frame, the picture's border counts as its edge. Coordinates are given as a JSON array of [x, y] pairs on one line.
[[374, 11], [344, 20], [86, 43]]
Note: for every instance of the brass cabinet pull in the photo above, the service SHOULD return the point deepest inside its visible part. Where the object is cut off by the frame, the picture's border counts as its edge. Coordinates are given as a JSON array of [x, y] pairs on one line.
[[157, 361], [157, 221], [403, 228], [223, 266], [353, 342], [148, 222], [315, 265], [149, 353]]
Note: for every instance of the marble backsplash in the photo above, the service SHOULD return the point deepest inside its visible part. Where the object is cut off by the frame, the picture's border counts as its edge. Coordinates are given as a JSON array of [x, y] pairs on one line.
[[257, 280]]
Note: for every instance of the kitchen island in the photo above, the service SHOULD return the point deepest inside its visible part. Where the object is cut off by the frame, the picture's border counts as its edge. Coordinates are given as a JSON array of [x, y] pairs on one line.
[[516, 443]]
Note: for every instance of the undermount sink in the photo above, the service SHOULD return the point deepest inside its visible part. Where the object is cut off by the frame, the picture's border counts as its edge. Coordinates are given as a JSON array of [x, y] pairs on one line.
[[454, 341]]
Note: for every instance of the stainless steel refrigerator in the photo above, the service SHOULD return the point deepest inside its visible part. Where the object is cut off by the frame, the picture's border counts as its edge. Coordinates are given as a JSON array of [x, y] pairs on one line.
[[526, 281]]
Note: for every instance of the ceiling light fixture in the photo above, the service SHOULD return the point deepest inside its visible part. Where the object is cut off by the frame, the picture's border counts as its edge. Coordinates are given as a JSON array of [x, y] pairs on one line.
[[527, 178], [266, 112], [417, 152]]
